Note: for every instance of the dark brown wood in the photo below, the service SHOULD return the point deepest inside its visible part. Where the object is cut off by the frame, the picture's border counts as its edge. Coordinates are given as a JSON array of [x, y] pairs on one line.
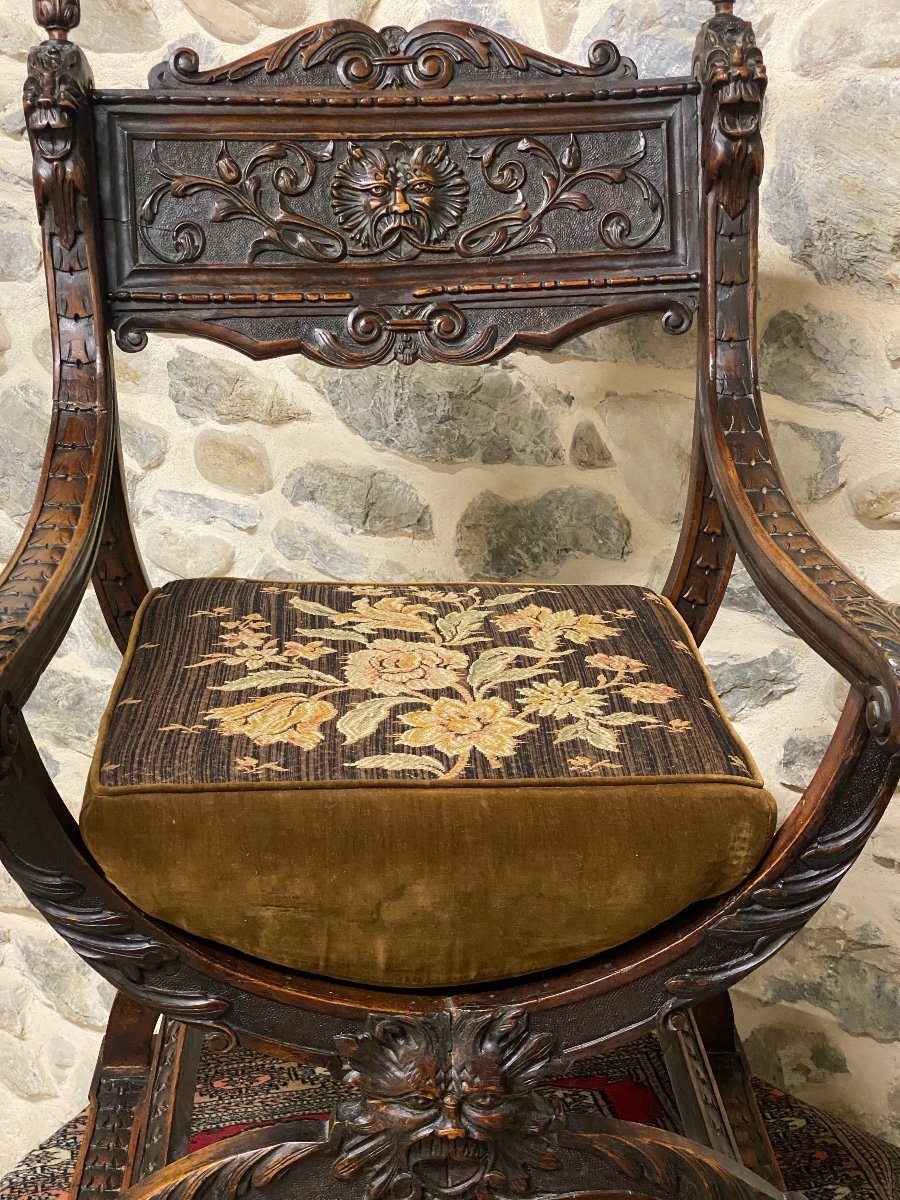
[[354, 284], [731, 1071], [348, 54], [105, 1165], [699, 1101], [705, 555], [565, 196], [170, 1097], [46, 577], [603, 1159], [856, 631], [446, 1105], [119, 578], [58, 17]]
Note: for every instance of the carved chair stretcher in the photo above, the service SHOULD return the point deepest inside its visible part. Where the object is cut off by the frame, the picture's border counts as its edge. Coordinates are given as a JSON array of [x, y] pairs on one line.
[[327, 196]]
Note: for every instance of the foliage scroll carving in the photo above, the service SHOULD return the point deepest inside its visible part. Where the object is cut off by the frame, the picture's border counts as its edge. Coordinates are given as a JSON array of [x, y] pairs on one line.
[[401, 199]]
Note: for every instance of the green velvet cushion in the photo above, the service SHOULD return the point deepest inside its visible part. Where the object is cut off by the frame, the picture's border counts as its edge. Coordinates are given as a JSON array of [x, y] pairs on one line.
[[418, 786]]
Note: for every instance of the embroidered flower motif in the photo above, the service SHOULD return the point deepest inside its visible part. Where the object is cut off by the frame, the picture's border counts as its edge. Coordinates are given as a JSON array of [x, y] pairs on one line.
[[554, 698], [582, 765], [282, 717], [460, 726], [307, 651], [649, 693], [394, 645], [545, 628], [248, 643], [434, 597], [248, 765], [391, 612], [617, 663], [393, 667]]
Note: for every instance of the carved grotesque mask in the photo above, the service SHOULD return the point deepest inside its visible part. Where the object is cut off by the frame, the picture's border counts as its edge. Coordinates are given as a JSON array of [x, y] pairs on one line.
[[738, 75], [52, 97], [445, 1109], [401, 202]]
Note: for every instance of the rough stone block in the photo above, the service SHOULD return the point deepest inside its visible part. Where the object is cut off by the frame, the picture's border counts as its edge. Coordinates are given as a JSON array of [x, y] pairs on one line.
[[501, 539]]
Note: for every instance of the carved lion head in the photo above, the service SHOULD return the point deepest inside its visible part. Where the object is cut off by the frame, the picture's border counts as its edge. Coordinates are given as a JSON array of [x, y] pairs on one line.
[[400, 201], [53, 94], [445, 1107], [735, 70]]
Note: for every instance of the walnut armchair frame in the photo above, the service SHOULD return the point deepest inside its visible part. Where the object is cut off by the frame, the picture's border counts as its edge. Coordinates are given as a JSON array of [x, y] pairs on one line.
[[699, 147]]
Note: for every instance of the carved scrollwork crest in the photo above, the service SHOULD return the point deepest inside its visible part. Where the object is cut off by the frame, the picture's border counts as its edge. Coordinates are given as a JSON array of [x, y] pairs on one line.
[[352, 55], [445, 1106]]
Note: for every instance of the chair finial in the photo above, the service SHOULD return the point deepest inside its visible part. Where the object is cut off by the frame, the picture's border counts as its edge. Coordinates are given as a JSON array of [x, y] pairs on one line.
[[58, 17]]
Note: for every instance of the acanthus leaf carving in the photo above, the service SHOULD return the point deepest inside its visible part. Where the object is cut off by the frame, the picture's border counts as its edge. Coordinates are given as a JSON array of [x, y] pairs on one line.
[[445, 1106], [112, 942], [769, 916], [361, 58]]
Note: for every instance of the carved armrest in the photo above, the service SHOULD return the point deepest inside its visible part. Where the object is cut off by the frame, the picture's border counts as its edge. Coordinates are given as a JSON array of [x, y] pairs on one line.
[[43, 584], [855, 630]]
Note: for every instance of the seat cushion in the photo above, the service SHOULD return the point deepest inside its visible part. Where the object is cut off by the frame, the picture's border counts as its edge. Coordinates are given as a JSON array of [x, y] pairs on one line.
[[418, 785]]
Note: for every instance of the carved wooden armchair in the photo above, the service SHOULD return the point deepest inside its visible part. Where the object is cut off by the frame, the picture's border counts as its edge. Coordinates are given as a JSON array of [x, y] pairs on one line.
[[412, 833]]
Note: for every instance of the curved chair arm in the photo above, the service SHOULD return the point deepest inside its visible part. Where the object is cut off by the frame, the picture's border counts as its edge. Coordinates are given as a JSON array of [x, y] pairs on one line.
[[43, 584], [832, 610]]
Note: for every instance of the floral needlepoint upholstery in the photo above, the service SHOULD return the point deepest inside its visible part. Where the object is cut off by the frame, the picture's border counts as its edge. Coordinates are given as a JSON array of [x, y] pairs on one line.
[[337, 778]]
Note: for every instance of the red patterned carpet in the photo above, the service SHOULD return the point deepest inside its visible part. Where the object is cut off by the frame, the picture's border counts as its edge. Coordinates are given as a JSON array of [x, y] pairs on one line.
[[821, 1156]]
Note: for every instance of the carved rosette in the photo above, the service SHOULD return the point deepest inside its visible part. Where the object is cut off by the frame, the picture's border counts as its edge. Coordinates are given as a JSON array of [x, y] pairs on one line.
[[445, 1106]]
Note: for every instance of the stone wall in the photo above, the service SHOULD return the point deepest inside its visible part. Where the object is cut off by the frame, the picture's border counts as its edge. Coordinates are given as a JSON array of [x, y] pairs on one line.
[[571, 467]]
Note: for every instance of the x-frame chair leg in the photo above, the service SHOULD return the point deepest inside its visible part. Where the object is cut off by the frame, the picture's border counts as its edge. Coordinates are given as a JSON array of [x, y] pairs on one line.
[[711, 1080], [137, 1137], [118, 1098], [170, 1097], [140, 1103]]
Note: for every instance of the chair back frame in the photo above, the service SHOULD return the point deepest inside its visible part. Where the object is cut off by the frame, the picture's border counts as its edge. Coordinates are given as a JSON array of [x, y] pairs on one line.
[[103, 275]]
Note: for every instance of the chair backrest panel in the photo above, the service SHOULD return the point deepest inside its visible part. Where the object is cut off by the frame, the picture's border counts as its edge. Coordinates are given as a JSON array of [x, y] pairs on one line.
[[353, 195]]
